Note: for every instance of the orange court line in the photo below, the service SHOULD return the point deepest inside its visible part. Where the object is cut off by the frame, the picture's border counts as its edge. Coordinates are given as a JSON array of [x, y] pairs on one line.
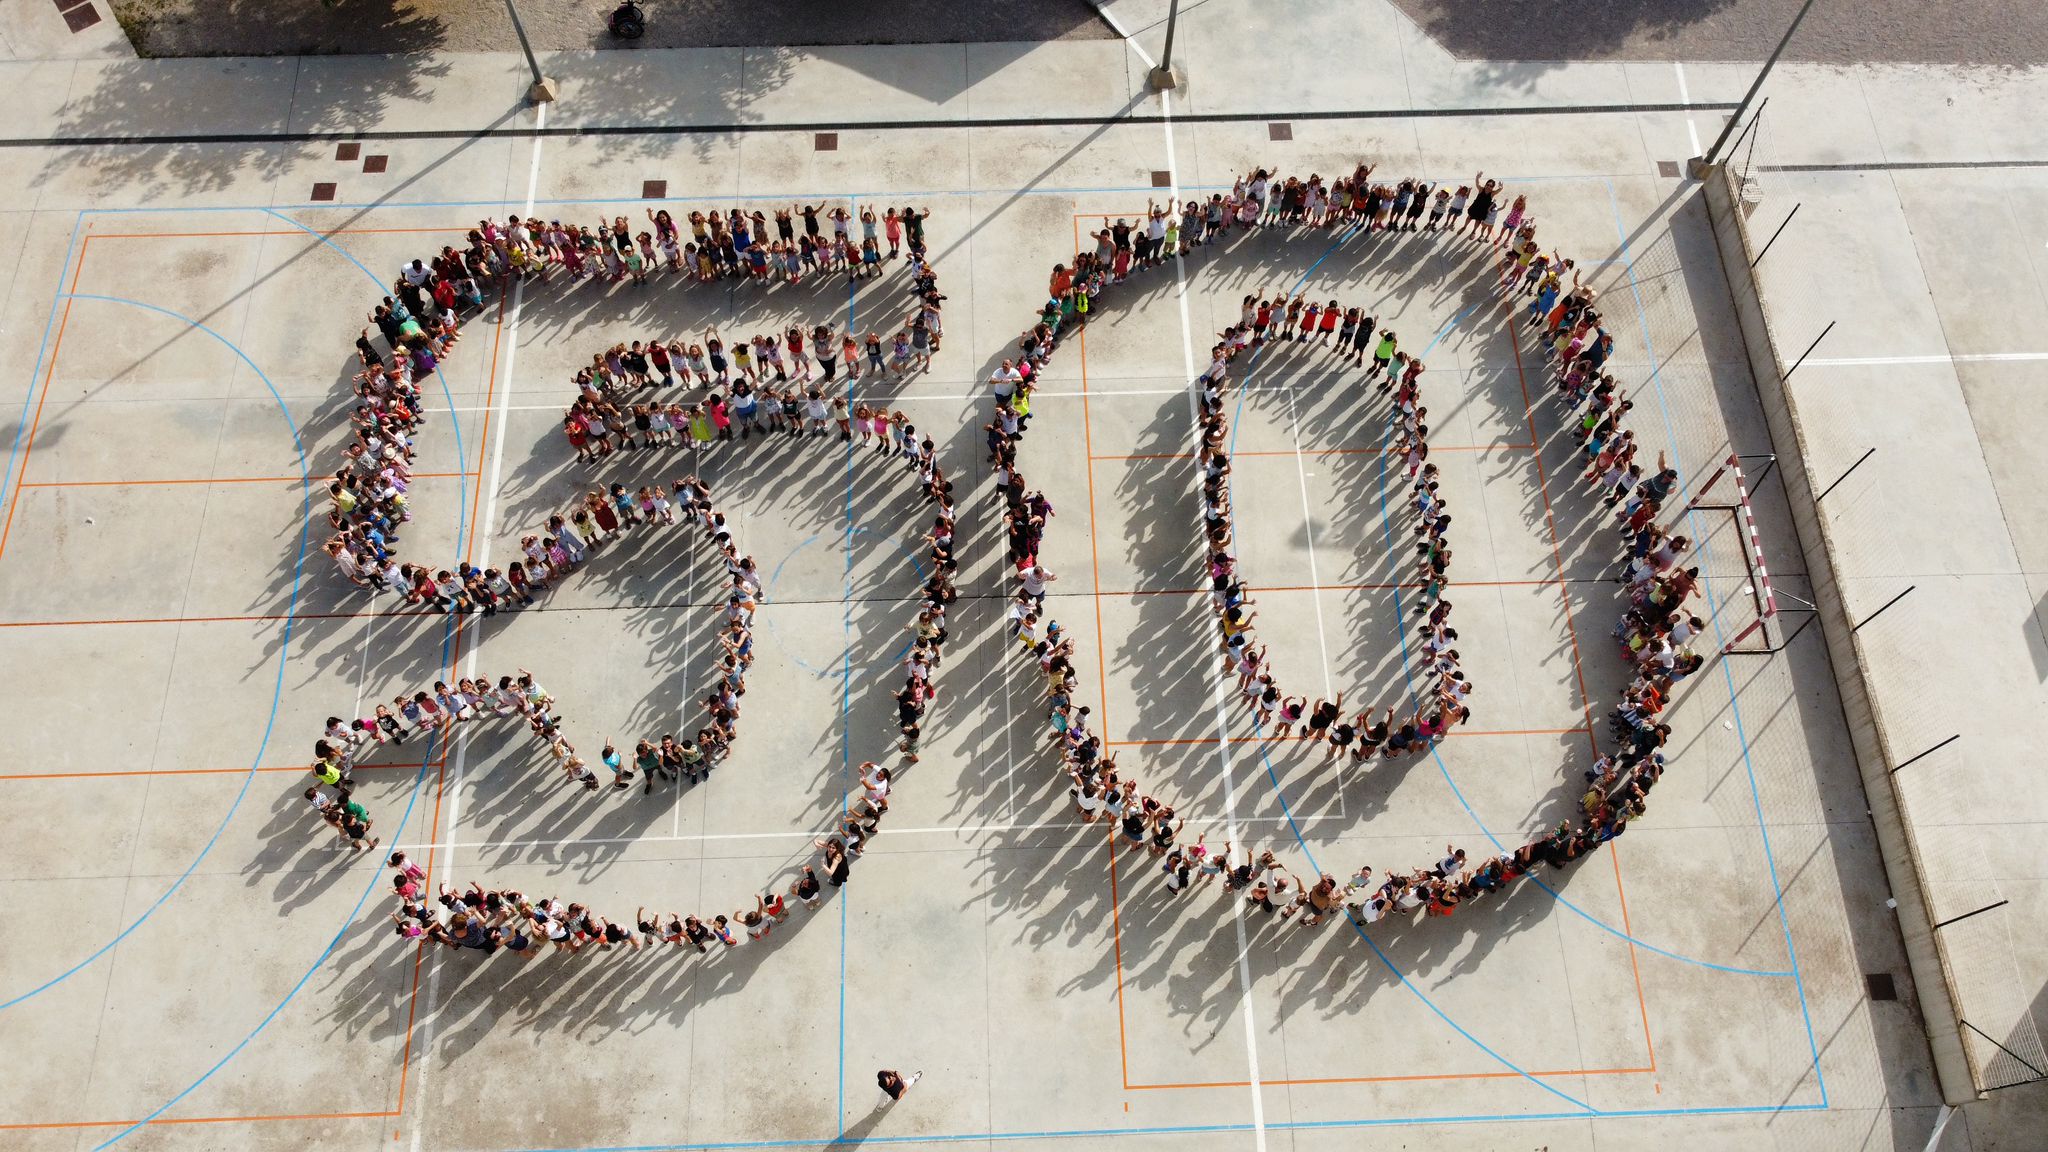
[[1094, 547], [1317, 452], [1642, 1005], [1578, 662], [483, 439], [1379, 452], [456, 231], [1586, 728], [434, 835], [28, 446], [441, 772], [1571, 630], [316, 478], [1399, 1079], [221, 619], [194, 1120], [1368, 587], [1269, 739], [1123, 1046], [184, 771]]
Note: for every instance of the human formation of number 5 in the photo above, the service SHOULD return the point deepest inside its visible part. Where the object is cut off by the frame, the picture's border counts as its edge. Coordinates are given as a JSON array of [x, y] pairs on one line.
[[421, 322]]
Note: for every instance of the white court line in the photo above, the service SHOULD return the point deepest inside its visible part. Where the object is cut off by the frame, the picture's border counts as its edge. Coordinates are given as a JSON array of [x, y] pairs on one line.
[[1692, 131], [363, 661], [1309, 529], [812, 834], [689, 654], [483, 527], [1217, 694], [1315, 582], [1009, 722], [1937, 358], [1123, 33], [1037, 393]]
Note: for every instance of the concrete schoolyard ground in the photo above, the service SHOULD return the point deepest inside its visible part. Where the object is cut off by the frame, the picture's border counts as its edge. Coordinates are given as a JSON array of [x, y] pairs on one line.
[[200, 968]]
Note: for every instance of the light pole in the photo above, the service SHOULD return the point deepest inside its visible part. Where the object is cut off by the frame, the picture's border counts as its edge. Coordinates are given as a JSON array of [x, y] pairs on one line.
[[1161, 77], [1707, 161], [543, 89]]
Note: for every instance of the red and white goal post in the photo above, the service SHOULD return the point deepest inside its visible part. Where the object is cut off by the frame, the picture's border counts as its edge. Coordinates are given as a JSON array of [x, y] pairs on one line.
[[1761, 593]]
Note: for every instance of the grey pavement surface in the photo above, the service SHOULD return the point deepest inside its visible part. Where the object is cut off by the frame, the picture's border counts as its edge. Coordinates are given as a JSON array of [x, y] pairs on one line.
[[214, 965], [264, 28], [1990, 32], [1999, 32]]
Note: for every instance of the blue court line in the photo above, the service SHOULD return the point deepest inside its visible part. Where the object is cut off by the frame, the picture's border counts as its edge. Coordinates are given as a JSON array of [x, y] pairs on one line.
[[1235, 425], [376, 875], [1436, 754], [1288, 810], [461, 456], [1714, 613], [1199, 1129], [806, 542], [846, 754], [298, 571], [276, 699], [418, 779], [35, 382], [1265, 758], [846, 682], [890, 195], [283, 655]]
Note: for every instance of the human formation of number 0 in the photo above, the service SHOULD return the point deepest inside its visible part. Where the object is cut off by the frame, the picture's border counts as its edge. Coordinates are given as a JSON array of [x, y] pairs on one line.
[[421, 321]]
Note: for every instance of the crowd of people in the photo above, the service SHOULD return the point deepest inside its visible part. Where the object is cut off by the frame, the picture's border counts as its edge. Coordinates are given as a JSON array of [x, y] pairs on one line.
[[1265, 325], [388, 412], [423, 715], [488, 920], [767, 383], [666, 758], [1655, 632], [419, 324], [732, 245]]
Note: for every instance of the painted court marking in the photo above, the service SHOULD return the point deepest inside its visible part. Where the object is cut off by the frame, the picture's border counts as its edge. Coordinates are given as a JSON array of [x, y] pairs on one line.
[[1106, 1131]]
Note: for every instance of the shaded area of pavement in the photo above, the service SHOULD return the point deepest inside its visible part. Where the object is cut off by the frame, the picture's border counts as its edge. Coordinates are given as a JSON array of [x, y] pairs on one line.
[[2008, 32], [310, 27]]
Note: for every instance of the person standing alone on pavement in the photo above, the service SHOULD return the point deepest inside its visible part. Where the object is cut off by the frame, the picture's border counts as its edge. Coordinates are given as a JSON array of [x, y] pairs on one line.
[[893, 1084]]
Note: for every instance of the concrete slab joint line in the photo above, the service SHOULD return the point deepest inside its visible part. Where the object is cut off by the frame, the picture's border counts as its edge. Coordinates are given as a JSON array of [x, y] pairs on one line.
[[1082, 340], [472, 654], [1955, 1067], [23, 447], [742, 127], [453, 782]]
